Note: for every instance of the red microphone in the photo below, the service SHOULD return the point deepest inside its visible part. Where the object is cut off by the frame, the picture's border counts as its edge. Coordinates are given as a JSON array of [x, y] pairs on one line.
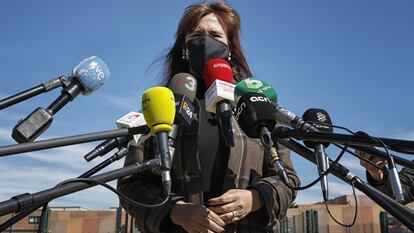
[[218, 77], [217, 68]]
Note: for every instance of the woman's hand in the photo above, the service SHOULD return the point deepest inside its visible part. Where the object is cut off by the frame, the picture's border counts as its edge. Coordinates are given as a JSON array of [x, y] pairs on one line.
[[196, 218], [235, 204], [376, 174]]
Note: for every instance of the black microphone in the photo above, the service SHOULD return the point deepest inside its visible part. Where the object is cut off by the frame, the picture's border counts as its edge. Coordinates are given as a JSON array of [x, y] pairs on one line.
[[86, 77], [256, 121], [106, 146], [321, 120]]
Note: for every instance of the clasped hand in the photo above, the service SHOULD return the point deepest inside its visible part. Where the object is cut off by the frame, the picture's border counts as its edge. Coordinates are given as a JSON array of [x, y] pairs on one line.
[[230, 207]]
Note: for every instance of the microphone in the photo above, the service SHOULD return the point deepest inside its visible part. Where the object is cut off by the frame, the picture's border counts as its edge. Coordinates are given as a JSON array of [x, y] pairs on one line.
[[218, 77], [132, 119], [283, 115], [184, 87], [321, 120], [105, 147], [158, 105], [256, 121], [286, 117], [86, 77]]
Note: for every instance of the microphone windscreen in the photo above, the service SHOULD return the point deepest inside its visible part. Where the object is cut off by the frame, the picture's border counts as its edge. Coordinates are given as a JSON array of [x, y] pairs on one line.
[[92, 73], [252, 85], [184, 84], [158, 106], [254, 111], [321, 120], [217, 68]]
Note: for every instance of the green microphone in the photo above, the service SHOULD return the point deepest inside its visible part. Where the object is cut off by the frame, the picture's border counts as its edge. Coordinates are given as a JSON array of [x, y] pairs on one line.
[[253, 85]]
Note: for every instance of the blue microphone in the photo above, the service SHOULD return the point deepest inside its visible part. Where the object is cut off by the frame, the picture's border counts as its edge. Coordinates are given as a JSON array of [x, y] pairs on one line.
[[90, 74]]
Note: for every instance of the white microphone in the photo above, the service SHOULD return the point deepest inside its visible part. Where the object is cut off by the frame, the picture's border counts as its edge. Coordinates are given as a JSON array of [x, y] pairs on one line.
[[133, 119]]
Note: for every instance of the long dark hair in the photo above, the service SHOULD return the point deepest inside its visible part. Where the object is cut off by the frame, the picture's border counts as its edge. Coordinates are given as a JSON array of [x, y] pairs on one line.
[[230, 21]]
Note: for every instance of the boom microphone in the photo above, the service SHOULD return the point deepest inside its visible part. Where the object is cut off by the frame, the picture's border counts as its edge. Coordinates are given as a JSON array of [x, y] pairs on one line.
[[218, 77], [106, 146], [86, 77], [158, 105], [132, 119], [321, 120]]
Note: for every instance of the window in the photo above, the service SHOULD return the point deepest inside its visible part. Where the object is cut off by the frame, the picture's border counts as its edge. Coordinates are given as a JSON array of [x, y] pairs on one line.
[[34, 219]]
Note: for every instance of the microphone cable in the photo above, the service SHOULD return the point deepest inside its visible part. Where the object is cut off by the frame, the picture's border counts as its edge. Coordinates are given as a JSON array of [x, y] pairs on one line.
[[334, 163], [121, 195], [345, 149], [351, 152], [317, 180], [356, 210]]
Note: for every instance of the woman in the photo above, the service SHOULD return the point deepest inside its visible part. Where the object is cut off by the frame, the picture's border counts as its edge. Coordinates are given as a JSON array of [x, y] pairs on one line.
[[215, 188]]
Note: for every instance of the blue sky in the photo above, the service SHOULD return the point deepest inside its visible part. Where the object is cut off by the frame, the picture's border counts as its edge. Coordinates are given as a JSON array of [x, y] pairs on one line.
[[352, 58]]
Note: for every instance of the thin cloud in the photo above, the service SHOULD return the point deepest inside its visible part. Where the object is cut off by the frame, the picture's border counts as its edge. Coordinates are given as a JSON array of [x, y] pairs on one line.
[[38, 179], [46, 168], [5, 134], [8, 116], [3, 95], [405, 135], [88, 198], [128, 103]]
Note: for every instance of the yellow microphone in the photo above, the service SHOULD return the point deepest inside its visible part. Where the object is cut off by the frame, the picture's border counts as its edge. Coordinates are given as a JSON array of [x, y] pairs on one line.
[[158, 106]]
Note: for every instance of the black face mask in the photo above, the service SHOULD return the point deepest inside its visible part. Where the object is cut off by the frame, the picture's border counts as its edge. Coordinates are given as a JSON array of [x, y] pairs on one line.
[[202, 49]]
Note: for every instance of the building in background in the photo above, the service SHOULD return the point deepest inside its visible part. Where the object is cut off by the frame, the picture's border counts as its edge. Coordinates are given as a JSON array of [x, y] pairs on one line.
[[312, 218], [70, 219]]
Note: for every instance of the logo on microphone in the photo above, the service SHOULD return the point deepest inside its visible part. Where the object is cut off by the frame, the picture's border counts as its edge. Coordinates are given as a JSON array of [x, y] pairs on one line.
[[259, 99], [253, 83], [240, 109], [191, 84], [95, 67], [186, 110], [188, 81], [321, 117], [145, 103], [131, 117], [221, 65]]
